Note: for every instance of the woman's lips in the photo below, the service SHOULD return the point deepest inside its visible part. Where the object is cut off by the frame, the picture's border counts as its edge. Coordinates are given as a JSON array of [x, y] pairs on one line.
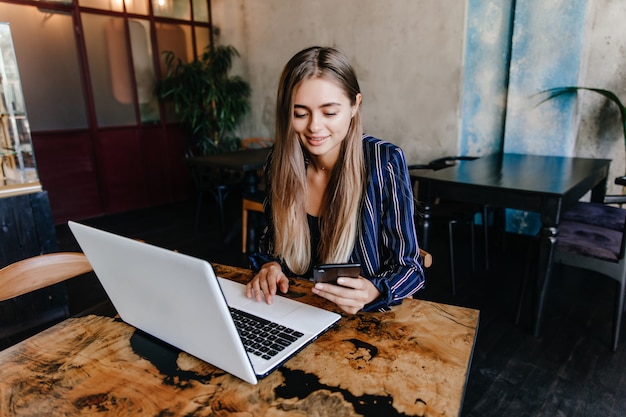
[[316, 140]]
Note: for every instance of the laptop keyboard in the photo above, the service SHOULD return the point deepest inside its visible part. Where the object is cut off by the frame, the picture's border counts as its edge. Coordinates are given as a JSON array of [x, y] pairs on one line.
[[262, 337]]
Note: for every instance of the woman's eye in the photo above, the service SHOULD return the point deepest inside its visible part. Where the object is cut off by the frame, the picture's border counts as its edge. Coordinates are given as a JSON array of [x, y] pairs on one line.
[[299, 115], [330, 114]]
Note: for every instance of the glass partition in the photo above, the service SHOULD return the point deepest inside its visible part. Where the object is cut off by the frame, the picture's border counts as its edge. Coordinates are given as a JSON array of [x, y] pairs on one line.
[[113, 5], [177, 39], [107, 53], [203, 39], [176, 9], [18, 171], [143, 66], [49, 62], [132, 6], [200, 11]]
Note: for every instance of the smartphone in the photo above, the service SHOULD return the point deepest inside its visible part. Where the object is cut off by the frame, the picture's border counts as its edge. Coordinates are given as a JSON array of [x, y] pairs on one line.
[[330, 272]]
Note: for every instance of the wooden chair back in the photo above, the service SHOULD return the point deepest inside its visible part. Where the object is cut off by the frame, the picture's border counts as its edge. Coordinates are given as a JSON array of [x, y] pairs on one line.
[[256, 143], [427, 258], [41, 271], [251, 203]]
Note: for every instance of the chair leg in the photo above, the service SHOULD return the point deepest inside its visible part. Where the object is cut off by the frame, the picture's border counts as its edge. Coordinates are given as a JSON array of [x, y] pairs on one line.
[[244, 230], [486, 236], [220, 196], [540, 301], [619, 310], [220, 203], [473, 244], [198, 207], [451, 247], [525, 283], [451, 244]]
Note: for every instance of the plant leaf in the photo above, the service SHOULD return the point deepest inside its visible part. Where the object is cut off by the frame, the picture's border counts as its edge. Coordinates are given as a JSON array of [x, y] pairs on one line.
[[559, 91], [209, 102]]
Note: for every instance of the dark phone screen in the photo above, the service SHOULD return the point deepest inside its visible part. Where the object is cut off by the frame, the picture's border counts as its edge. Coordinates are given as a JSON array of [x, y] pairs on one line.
[[330, 272]]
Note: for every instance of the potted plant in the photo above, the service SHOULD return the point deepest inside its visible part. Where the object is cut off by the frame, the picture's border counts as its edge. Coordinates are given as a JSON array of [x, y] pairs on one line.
[[209, 101]]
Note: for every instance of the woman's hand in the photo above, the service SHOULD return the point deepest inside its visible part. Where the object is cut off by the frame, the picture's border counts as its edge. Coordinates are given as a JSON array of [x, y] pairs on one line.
[[351, 295], [266, 282]]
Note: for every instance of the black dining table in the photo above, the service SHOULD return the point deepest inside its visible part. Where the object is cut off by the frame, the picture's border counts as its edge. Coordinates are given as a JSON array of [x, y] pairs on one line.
[[247, 161], [245, 165], [547, 185]]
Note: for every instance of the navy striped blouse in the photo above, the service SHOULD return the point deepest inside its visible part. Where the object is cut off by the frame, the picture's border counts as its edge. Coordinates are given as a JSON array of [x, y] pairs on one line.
[[386, 246]]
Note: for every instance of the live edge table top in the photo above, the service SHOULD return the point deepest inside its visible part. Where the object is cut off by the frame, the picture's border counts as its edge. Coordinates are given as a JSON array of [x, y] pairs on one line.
[[413, 360]]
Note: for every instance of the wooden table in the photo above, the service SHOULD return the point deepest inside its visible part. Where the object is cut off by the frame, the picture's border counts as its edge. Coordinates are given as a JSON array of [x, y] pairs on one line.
[[411, 361], [543, 184]]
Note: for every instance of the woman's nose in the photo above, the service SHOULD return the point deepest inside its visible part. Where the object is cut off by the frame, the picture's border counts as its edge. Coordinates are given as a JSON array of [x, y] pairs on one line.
[[315, 123]]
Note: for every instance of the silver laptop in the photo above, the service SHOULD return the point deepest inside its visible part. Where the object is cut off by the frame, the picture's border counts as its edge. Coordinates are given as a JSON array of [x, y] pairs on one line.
[[179, 300]]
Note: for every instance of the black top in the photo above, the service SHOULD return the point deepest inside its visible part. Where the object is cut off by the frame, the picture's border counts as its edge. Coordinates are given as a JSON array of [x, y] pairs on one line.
[[316, 236]]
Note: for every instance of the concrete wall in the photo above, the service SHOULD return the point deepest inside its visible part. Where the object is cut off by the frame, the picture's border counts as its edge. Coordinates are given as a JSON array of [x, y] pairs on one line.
[[408, 55], [600, 133], [435, 73]]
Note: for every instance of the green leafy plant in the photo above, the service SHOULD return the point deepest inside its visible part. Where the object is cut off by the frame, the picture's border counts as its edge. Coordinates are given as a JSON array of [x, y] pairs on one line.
[[559, 91], [209, 101]]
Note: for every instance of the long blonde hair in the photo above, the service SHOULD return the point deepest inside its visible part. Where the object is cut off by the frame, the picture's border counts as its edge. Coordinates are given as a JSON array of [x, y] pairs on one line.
[[341, 205]]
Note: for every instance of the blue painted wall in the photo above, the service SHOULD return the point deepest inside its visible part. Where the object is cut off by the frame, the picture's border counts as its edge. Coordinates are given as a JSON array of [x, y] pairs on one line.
[[486, 67], [547, 51], [514, 50]]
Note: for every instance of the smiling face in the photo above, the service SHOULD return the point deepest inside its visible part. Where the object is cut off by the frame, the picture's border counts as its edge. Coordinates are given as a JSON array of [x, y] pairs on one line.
[[322, 114]]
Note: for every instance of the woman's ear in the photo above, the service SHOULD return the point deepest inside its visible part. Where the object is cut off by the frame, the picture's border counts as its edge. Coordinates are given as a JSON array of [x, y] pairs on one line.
[[357, 103]]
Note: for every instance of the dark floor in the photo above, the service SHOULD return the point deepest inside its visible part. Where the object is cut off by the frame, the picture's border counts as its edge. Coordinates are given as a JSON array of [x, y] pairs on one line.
[[569, 371]]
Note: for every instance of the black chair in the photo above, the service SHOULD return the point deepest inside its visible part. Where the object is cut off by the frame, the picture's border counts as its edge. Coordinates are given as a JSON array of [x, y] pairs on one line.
[[454, 214], [215, 181], [591, 237]]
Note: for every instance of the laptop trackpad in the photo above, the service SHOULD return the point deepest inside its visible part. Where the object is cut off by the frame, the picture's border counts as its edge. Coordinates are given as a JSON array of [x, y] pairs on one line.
[[235, 295]]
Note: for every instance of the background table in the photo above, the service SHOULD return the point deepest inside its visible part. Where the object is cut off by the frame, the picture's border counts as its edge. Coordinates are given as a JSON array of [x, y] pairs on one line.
[[543, 184], [214, 173], [413, 360], [246, 161]]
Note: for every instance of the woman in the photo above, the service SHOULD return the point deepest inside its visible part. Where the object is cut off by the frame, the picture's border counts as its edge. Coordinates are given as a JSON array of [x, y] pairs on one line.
[[334, 195]]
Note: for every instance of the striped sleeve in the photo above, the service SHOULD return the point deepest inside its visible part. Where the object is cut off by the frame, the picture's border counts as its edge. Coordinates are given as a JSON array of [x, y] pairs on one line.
[[387, 246]]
